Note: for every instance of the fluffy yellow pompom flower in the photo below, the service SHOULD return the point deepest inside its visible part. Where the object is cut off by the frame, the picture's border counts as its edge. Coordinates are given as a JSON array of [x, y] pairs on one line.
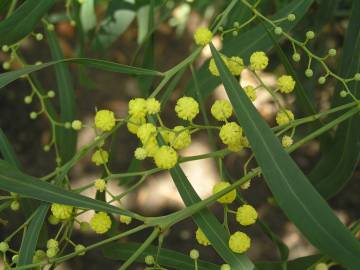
[[246, 215], [202, 36], [286, 84], [180, 138], [213, 68], [231, 133], [321, 266], [134, 123], [125, 219], [283, 117], [201, 238], [286, 141], [100, 222], [100, 185], [152, 106], [258, 61], [137, 107], [187, 108], [165, 157], [228, 197], [140, 153], [105, 120], [250, 92], [239, 242], [151, 146], [145, 132], [235, 147], [61, 211], [221, 110], [100, 157], [235, 65]]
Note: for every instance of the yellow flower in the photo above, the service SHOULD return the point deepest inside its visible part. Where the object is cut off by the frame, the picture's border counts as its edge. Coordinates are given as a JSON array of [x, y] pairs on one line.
[[286, 141], [76, 124], [125, 219], [228, 197], [235, 65], [286, 84], [246, 215], [236, 147], [321, 266], [187, 108], [151, 146], [201, 238], [145, 132], [239, 242], [61, 211], [250, 92], [221, 110], [134, 123], [152, 106], [283, 117], [231, 133], [213, 68], [165, 134], [100, 185], [202, 36], [137, 107], [100, 157], [140, 153], [259, 61], [180, 138], [105, 120], [165, 157], [100, 222]]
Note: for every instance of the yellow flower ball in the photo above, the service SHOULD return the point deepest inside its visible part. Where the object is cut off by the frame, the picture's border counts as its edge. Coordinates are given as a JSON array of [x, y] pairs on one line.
[[151, 146], [104, 120], [236, 147], [100, 222], [239, 242], [202, 36], [221, 110], [228, 197], [286, 84], [61, 211], [137, 107], [152, 106], [187, 108], [235, 65], [286, 141], [180, 138], [250, 92], [321, 266], [76, 124], [134, 123], [258, 61], [165, 157], [100, 157], [201, 238], [100, 185], [213, 68], [140, 153], [246, 215], [145, 132], [231, 133], [125, 219], [283, 117]]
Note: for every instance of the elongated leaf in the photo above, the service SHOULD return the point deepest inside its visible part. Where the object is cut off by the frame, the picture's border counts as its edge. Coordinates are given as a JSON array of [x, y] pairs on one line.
[[301, 263], [167, 258], [87, 15], [246, 43], [7, 151], [11, 76], [31, 235], [292, 190], [14, 181], [66, 139], [338, 164], [23, 20], [209, 224]]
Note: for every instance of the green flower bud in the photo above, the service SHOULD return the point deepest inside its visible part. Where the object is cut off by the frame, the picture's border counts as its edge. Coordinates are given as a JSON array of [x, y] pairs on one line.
[[310, 34], [4, 246], [80, 248], [309, 73], [291, 17], [343, 93], [27, 99], [52, 252], [33, 115], [5, 48], [194, 254], [236, 24], [225, 267], [67, 125], [15, 205], [15, 259], [357, 77], [235, 33], [50, 27], [53, 220], [278, 30], [6, 65], [322, 80], [149, 260], [39, 36], [296, 57], [51, 94], [332, 52]]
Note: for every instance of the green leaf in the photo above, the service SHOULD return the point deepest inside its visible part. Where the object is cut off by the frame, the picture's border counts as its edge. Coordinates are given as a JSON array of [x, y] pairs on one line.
[[295, 195], [66, 139], [7, 151], [209, 224], [88, 15], [246, 43], [167, 258], [301, 263], [31, 235], [14, 181], [23, 20], [337, 165], [8, 77]]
